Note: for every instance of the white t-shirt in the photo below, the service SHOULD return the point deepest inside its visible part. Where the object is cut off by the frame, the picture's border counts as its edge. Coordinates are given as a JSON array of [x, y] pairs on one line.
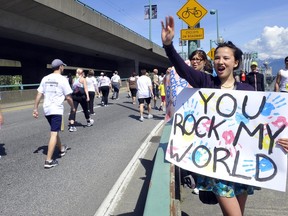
[[115, 78], [54, 87], [91, 83], [104, 81], [143, 83], [161, 79], [284, 80]]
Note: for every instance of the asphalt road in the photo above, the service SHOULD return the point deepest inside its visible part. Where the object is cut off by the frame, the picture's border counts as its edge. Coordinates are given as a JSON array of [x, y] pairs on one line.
[[85, 175]]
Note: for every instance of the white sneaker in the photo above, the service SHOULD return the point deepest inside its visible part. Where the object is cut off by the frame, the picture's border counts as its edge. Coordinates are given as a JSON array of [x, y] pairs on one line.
[[150, 116], [195, 191], [72, 129], [141, 119], [89, 124]]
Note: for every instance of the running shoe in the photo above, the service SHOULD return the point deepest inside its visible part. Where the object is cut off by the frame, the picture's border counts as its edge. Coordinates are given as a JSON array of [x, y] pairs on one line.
[[50, 164], [72, 129], [150, 116], [195, 191], [90, 123], [64, 151]]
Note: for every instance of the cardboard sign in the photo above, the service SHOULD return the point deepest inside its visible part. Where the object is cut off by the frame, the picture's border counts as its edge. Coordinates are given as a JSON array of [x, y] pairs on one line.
[[231, 135], [174, 84]]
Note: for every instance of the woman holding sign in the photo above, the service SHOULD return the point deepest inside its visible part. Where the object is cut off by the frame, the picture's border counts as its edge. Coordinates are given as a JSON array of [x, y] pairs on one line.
[[228, 59], [231, 196]]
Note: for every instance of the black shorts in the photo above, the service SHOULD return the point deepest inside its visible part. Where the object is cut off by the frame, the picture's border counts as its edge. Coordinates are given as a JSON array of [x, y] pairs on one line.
[[156, 91], [133, 92], [147, 100]]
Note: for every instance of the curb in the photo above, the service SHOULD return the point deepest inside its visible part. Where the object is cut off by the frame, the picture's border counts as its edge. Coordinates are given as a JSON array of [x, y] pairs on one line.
[[115, 194]]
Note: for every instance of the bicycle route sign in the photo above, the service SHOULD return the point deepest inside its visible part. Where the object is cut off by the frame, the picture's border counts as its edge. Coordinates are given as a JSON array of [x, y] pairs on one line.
[[192, 12]]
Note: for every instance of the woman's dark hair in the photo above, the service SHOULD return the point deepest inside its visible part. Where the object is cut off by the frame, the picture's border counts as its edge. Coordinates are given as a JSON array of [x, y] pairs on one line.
[[91, 72], [201, 53], [208, 66], [237, 52]]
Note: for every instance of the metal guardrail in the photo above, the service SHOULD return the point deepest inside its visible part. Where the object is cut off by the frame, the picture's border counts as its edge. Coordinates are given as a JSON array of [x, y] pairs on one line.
[[9, 96], [21, 86], [162, 194]]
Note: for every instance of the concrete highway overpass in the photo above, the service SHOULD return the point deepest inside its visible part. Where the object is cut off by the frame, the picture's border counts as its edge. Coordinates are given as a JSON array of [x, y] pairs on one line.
[[34, 32]]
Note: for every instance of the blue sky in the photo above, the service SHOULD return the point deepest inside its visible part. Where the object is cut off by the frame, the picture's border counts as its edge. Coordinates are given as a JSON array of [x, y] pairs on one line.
[[253, 25]]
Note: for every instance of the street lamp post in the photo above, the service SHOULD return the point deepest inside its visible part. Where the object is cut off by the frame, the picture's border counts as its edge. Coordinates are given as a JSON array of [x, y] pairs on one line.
[[150, 17], [211, 46], [212, 12], [218, 41]]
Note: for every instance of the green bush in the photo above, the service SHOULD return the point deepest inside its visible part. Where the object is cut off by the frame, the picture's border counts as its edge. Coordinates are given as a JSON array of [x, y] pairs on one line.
[[10, 80]]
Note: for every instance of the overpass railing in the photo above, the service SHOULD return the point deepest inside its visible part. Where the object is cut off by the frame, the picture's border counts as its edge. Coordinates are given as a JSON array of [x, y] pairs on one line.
[[103, 15]]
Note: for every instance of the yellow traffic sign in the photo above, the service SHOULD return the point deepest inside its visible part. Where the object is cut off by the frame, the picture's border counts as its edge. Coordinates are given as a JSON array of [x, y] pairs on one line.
[[211, 53], [192, 34], [192, 12]]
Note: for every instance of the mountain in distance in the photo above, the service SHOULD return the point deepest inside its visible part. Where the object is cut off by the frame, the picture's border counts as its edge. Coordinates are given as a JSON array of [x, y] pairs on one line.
[[276, 64]]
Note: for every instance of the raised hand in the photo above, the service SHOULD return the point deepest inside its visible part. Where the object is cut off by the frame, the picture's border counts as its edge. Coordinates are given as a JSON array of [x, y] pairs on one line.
[[168, 30]]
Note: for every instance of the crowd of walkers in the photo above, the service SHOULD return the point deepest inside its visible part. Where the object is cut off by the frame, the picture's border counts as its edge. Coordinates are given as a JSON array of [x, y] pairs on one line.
[[82, 89]]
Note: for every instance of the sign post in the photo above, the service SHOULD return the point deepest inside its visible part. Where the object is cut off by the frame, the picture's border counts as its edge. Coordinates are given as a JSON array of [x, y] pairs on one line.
[[191, 13]]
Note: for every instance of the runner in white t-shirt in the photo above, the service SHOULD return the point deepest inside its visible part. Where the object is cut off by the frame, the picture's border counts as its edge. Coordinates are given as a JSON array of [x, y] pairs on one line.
[[105, 86], [55, 89], [116, 83], [92, 86], [144, 92]]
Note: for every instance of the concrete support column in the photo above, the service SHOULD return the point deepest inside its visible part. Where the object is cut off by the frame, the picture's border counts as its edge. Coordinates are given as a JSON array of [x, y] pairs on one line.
[[125, 68], [137, 69]]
